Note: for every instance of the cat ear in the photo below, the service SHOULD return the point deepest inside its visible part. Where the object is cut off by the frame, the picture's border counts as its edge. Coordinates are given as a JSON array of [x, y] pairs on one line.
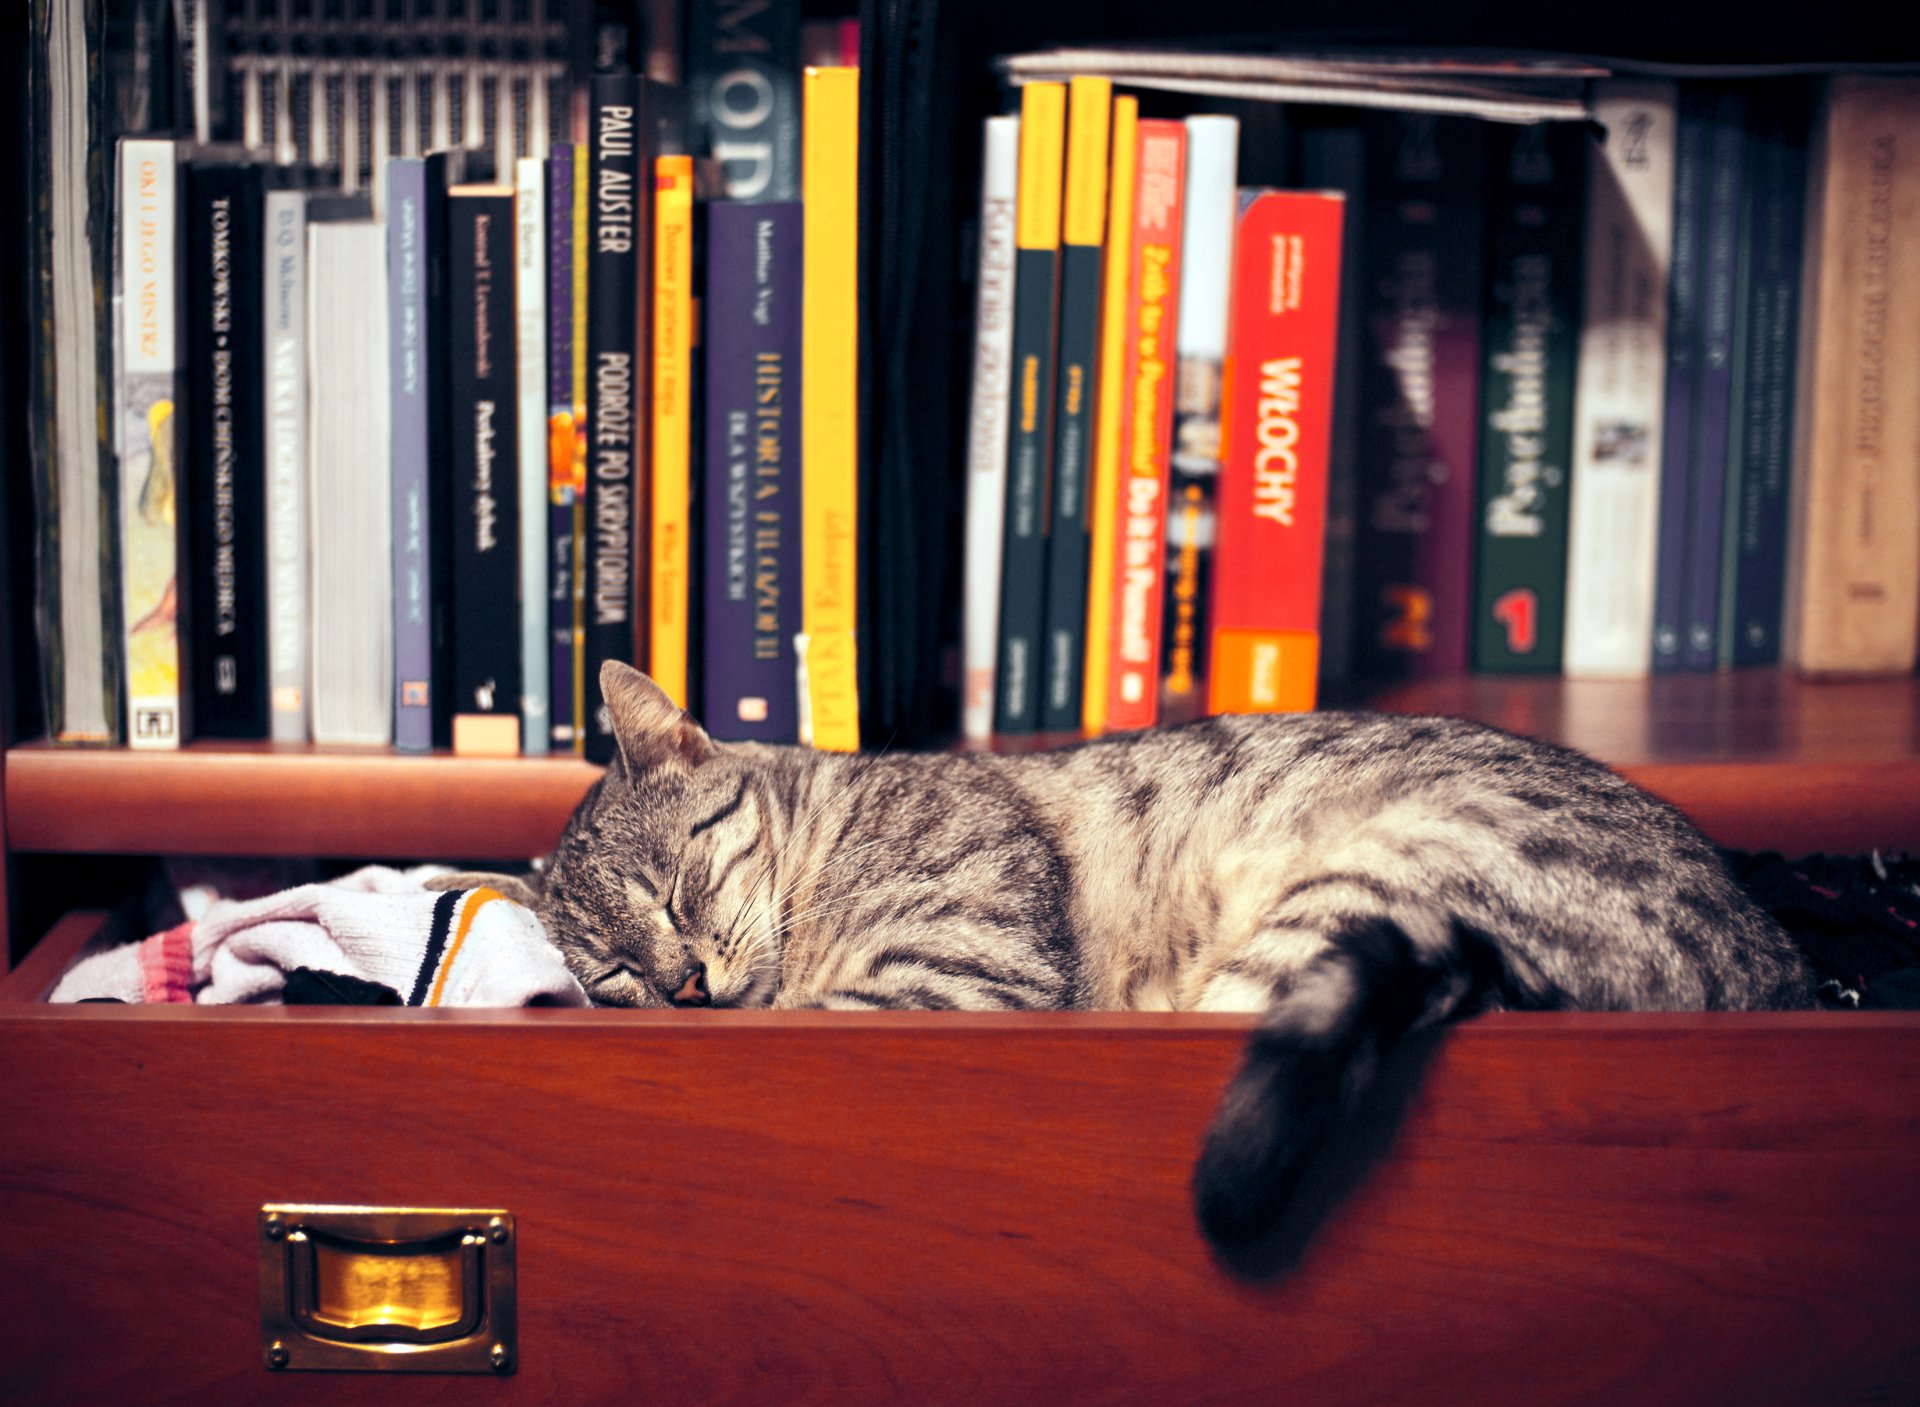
[[650, 728]]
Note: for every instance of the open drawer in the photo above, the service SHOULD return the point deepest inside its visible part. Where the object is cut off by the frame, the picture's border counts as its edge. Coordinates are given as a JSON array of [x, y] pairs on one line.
[[771, 1208]]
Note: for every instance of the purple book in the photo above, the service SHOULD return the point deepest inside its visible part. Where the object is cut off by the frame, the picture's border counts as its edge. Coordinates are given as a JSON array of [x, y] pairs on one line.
[[752, 484], [1420, 397], [409, 387], [1713, 389], [563, 493]]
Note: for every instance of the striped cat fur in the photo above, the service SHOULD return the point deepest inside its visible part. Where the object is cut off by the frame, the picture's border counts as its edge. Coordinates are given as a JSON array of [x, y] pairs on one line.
[[1354, 877]]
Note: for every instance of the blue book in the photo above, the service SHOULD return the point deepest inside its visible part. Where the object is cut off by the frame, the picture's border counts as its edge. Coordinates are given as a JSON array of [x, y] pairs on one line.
[[751, 591], [407, 340]]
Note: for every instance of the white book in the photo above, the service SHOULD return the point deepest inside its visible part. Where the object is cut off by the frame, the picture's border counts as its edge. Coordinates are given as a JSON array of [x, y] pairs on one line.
[[352, 532], [987, 422], [284, 304], [147, 415], [530, 383], [1620, 387]]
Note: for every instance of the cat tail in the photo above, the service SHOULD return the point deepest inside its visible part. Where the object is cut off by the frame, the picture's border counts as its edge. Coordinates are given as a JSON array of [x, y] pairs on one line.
[[1318, 1051]]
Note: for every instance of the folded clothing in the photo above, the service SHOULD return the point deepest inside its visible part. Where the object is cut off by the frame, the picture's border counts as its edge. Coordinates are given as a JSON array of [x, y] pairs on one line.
[[471, 947]]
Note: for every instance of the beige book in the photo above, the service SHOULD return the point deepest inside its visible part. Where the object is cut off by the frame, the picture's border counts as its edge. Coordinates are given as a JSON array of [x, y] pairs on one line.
[[1853, 569]]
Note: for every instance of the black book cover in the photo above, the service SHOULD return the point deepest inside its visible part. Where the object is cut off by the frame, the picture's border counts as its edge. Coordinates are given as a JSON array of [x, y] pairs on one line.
[[222, 513], [483, 497], [619, 254], [445, 169]]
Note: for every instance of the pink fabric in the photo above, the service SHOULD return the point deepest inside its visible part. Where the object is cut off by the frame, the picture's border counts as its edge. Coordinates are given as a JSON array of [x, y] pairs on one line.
[[166, 966]]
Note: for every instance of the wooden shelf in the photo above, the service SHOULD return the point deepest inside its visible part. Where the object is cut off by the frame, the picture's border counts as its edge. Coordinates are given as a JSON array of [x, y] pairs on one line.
[[1760, 760]]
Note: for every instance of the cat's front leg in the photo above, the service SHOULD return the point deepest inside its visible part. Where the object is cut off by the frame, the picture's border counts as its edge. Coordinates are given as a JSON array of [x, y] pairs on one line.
[[936, 962]]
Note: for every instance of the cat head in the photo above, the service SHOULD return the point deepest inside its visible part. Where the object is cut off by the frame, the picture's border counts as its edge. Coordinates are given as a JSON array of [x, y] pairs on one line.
[[661, 890]]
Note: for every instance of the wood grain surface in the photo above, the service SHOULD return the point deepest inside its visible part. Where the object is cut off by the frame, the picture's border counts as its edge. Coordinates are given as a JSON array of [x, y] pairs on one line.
[[783, 1208]]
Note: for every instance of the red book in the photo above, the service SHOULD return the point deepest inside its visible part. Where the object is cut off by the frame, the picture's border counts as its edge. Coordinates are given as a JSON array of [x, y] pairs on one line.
[[1146, 424], [1278, 425]]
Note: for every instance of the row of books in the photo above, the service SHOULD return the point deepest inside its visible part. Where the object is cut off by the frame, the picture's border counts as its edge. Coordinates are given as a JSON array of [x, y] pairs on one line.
[[410, 479], [1469, 395]]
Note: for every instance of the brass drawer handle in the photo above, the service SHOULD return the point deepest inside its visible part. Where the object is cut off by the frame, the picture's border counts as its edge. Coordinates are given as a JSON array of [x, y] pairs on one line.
[[387, 1289]]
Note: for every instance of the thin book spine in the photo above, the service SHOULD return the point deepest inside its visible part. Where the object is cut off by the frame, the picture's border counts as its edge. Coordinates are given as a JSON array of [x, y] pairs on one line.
[[1278, 421], [1083, 227], [288, 652], [1109, 410], [829, 414], [1530, 340], [753, 473], [530, 386], [1023, 562], [671, 560], [1753, 565], [562, 432], [483, 399], [1685, 293], [149, 424], [1211, 217], [1620, 396], [1153, 312], [987, 422], [411, 409], [1707, 487], [582, 192], [743, 73], [617, 380]]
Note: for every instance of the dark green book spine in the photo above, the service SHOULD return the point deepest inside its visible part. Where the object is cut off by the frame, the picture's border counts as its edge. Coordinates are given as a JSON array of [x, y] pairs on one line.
[[1531, 335], [1023, 564], [1068, 543]]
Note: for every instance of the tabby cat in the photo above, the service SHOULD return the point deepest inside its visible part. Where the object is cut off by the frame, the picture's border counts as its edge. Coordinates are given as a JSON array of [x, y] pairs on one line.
[[1352, 876]]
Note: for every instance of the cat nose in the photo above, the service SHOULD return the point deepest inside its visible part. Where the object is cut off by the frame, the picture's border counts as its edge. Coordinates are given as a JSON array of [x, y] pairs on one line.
[[693, 987]]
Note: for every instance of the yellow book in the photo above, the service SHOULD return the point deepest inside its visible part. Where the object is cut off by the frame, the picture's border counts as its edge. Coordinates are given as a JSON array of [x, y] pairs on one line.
[[1103, 501], [829, 409], [581, 152], [669, 562]]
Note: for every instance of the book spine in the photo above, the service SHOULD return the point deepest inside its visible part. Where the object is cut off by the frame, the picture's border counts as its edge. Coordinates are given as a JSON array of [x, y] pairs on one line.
[[583, 695], [1023, 562], [1201, 350], [1853, 593], [562, 435], [743, 74], [753, 470], [671, 560], [1707, 493], [1420, 416], [1109, 407], [148, 410], [1685, 294], [987, 422], [1755, 546], [530, 421], [223, 591], [408, 382], [442, 169], [285, 298], [1083, 229], [483, 398], [1620, 398], [1153, 314], [616, 371], [349, 447], [1264, 655], [1530, 329], [829, 407]]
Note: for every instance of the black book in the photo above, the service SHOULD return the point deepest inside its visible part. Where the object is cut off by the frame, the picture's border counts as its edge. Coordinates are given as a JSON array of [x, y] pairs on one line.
[[619, 253], [483, 492], [222, 508], [445, 169]]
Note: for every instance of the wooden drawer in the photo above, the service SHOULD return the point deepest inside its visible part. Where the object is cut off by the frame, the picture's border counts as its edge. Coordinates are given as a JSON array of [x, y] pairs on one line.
[[773, 1208]]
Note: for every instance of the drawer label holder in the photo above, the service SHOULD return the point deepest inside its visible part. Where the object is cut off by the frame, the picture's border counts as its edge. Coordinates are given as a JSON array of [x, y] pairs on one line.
[[387, 1289]]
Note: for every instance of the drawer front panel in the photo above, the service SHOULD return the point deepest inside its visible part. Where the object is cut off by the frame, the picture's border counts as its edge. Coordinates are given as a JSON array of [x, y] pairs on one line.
[[757, 1209]]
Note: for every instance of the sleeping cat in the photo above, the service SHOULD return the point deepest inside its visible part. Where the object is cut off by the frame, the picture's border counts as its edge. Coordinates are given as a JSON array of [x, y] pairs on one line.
[[1352, 876]]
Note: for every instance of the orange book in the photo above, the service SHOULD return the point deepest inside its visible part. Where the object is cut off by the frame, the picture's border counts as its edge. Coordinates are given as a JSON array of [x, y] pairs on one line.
[[1146, 424], [670, 562], [1277, 421]]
